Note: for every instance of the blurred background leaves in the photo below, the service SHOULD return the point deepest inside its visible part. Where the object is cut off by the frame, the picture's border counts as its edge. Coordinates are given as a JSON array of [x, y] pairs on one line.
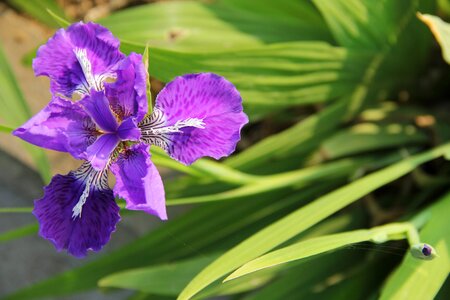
[[347, 99]]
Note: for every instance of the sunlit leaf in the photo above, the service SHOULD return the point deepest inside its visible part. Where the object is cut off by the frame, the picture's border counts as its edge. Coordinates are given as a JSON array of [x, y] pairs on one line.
[[418, 279], [39, 10], [305, 217], [441, 31], [318, 245], [205, 27]]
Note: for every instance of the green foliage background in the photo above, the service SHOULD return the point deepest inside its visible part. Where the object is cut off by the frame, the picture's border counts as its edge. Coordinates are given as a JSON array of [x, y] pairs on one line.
[[336, 92]]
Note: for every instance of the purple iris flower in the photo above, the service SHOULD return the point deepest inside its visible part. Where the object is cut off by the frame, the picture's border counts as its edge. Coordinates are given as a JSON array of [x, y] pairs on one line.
[[195, 115]]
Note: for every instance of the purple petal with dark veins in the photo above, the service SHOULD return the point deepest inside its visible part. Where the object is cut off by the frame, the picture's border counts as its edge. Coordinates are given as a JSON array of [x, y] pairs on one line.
[[97, 106], [128, 94], [128, 130], [57, 58], [91, 231], [100, 151], [138, 181], [62, 126], [207, 97]]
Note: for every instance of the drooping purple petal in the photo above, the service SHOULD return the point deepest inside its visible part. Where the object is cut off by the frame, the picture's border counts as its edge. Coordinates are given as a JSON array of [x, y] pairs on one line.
[[138, 181], [89, 231], [128, 130], [62, 126], [78, 58], [127, 95], [211, 102], [97, 106], [100, 151]]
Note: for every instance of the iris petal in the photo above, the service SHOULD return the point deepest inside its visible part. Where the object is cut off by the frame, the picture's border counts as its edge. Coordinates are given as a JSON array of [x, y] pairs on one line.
[[75, 51], [90, 231], [128, 130], [97, 106], [213, 107], [61, 126], [138, 181], [100, 151], [128, 94]]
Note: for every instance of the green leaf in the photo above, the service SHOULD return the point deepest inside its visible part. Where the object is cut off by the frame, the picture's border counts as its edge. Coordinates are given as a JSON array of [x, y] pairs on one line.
[[206, 27], [382, 70], [58, 18], [170, 279], [15, 112], [441, 31], [39, 10], [371, 137], [319, 245], [241, 285], [206, 228], [298, 179], [145, 60], [292, 73], [203, 168], [8, 210], [6, 129], [166, 279], [301, 279], [294, 280], [302, 219], [366, 23], [18, 233], [417, 279]]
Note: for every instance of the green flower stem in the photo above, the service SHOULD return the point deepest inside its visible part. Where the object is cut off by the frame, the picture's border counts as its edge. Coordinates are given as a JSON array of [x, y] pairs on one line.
[[395, 231], [6, 129]]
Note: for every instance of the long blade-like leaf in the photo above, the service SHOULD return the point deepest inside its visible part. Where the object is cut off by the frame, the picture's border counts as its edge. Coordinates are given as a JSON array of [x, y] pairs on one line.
[[39, 10], [441, 31], [422, 279], [298, 221], [315, 246], [206, 27]]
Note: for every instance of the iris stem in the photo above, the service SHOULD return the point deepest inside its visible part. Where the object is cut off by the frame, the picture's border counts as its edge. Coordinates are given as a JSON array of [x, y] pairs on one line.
[[395, 231], [6, 129], [26, 209], [204, 168]]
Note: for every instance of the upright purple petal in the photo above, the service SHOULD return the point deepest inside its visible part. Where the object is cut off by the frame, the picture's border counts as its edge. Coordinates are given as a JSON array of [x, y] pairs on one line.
[[138, 181], [210, 101], [89, 231], [78, 58], [128, 94], [100, 151], [61, 126], [97, 106], [128, 130]]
